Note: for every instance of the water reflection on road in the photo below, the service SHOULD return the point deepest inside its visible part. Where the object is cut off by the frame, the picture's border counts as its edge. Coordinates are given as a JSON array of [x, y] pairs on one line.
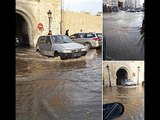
[[131, 97], [54, 89], [122, 32]]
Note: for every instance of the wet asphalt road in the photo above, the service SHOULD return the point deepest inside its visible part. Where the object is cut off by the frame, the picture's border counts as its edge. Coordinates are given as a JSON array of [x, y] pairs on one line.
[[54, 89], [122, 32]]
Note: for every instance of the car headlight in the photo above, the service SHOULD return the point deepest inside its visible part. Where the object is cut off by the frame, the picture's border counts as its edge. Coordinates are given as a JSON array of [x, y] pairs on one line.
[[67, 51], [83, 49]]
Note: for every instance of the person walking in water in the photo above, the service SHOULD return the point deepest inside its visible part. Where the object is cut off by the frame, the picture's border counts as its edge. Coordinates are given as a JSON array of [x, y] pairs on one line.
[[67, 32]]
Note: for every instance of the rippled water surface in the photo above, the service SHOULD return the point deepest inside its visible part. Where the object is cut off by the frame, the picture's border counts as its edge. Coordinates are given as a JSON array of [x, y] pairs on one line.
[[54, 89], [131, 97], [122, 33]]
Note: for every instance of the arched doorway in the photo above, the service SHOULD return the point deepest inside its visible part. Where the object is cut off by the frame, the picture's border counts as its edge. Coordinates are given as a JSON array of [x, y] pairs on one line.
[[22, 31], [25, 27], [121, 74]]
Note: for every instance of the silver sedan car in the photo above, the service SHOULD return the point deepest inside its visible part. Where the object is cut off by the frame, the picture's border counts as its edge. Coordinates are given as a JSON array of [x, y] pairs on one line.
[[128, 82], [60, 45]]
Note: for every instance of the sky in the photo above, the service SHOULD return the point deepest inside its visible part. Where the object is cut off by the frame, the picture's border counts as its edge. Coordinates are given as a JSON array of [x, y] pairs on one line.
[[142, 1], [92, 6]]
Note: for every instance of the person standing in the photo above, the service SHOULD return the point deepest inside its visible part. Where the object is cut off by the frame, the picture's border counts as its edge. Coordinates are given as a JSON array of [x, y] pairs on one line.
[[67, 32], [50, 32]]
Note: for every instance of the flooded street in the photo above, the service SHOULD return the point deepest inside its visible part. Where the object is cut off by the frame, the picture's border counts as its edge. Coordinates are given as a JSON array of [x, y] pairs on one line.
[[122, 32], [131, 98], [55, 89]]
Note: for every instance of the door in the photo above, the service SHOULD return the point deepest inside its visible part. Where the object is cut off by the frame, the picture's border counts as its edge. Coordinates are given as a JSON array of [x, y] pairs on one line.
[[40, 44], [48, 46]]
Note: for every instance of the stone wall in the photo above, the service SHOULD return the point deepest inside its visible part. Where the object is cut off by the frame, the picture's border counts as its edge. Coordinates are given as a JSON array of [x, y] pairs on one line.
[[76, 21], [34, 12]]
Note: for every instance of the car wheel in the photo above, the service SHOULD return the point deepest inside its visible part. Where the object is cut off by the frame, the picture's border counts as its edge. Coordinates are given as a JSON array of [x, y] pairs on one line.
[[88, 45], [56, 54], [37, 49], [62, 57]]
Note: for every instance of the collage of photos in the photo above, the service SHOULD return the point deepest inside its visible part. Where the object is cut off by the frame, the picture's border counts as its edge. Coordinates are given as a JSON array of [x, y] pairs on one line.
[[123, 59], [79, 59]]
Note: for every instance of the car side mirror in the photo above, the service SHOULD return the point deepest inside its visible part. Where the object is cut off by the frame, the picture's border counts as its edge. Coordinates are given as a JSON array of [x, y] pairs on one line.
[[112, 110]]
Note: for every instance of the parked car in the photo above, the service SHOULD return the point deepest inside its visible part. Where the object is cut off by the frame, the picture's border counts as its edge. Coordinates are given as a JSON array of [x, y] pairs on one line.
[[128, 10], [138, 10], [133, 10], [89, 39], [115, 9], [17, 42], [128, 82], [59, 45]]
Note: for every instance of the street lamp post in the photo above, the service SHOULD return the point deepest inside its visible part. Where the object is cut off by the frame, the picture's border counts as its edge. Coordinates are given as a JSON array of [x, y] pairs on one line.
[[138, 75], [109, 76], [49, 18]]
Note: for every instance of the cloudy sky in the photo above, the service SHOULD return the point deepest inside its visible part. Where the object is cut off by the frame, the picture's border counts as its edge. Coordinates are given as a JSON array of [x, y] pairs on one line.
[[92, 6]]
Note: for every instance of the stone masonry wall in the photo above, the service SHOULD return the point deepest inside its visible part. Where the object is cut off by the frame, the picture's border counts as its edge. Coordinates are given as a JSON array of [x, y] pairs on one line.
[[35, 12], [76, 21]]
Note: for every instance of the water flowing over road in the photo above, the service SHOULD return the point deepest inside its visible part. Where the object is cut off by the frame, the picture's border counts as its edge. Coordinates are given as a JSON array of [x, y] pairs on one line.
[[122, 32], [131, 97], [55, 89]]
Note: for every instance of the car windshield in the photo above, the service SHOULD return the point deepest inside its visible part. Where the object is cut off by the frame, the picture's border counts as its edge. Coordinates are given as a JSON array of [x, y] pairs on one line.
[[61, 39], [99, 35], [128, 80]]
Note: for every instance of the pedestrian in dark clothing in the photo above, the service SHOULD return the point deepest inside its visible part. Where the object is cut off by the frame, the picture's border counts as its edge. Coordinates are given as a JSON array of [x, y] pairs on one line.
[[50, 32], [67, 32]]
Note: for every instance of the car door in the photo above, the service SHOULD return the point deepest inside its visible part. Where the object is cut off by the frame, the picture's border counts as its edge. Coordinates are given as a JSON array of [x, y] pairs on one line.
[[40, 45], [48, 46], [74, 37], [80, 38]]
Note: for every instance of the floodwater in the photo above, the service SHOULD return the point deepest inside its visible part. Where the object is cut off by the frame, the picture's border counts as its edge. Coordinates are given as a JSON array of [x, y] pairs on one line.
[[122, 33], [131, 97], [54, 89]]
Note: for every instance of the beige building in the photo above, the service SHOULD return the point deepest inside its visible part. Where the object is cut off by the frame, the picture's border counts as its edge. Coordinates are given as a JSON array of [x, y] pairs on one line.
[[118, 70], [32, 20]]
